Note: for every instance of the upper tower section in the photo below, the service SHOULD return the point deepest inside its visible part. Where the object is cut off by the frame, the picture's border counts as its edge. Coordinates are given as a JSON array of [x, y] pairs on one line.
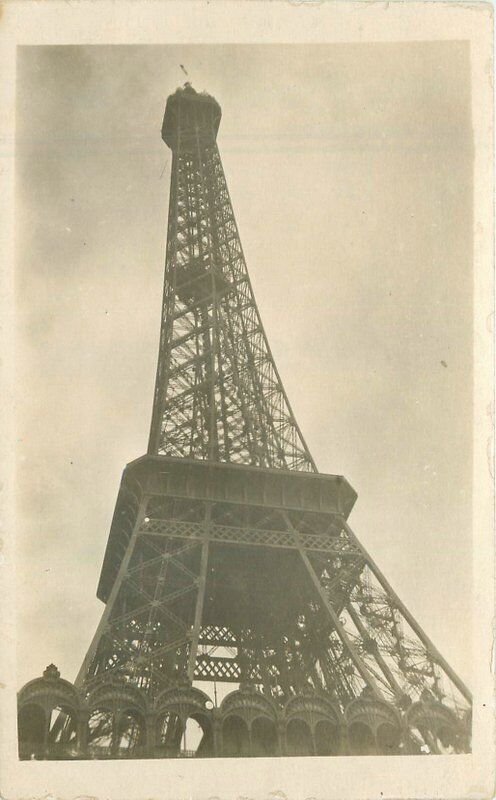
[[218, 395], [189, 114]]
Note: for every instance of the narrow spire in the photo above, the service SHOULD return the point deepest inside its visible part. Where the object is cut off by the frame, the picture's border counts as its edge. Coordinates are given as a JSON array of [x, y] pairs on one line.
[[218, 394]]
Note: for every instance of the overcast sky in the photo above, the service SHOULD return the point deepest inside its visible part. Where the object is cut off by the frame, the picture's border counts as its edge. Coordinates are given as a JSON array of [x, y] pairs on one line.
[[350, 172]]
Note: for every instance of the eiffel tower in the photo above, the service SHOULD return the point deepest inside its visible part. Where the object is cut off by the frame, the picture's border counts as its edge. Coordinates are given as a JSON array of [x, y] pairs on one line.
[[230, 560]]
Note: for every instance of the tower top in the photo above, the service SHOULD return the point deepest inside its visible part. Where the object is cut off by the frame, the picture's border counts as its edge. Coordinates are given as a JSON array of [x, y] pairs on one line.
[[186, 112]]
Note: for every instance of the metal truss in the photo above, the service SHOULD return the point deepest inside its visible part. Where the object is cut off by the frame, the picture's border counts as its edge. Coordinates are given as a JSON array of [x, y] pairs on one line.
[[218, 394]]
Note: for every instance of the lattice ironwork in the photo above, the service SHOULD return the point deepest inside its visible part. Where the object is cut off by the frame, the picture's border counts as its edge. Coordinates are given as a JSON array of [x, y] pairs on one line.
[[217, 635], [216, 668]]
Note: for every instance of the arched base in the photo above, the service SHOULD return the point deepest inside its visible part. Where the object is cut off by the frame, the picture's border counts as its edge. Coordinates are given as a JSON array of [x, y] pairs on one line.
[[117, 720]]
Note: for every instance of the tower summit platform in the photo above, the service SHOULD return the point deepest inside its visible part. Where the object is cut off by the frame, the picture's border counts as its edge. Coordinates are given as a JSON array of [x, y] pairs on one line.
[[188, 112]]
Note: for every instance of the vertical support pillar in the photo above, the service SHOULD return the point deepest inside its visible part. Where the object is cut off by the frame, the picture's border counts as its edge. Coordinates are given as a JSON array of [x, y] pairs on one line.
[[200, 597], [46, 729], [113, 596], [82, 733], [250, 741], [217, 732], [344, 742], [281, 736], [150, 733]]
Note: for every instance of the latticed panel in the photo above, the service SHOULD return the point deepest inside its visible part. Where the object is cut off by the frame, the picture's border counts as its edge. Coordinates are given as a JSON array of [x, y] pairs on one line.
[[218, 636], [249, 525], [218, 394], [214, 668]]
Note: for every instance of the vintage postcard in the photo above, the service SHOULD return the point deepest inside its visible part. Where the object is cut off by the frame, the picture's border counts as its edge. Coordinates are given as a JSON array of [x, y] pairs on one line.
[[248, 380]]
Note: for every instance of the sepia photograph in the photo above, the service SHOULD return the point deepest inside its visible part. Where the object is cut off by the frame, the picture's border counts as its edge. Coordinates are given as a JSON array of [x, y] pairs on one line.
[[245, 457], [242, 615]]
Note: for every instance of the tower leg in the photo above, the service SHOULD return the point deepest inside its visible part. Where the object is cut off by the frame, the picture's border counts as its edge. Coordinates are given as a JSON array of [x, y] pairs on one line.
[[112, 598], [386, 586], [200, 598], [357, 661], [387, 648]]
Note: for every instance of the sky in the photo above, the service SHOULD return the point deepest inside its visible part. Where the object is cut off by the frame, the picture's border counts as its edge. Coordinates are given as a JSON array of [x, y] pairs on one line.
[[350, 172]]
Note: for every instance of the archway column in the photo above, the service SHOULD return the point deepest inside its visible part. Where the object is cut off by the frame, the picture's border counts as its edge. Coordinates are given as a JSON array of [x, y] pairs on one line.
[[83, 719], [47, 708], [150, 733], [281, 736], [344, 744], [217, 733]]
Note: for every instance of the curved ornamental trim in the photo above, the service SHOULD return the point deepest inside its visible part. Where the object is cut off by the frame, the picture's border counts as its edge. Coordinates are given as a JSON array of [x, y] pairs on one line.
[[118, 720]]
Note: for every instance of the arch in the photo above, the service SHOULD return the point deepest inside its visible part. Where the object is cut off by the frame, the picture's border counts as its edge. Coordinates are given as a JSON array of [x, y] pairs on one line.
[[448, 739], [62, 732], [169, 734], [299, 740], [434, 728], [184, 726], [198, 736], [115, 734], [235, 737], [374, 727], [388, 739], [311, 700], [116, 694], [312, 708], [327, 738], [129, 734], [50, 692], [100, 732], [361, 739], [248, 703], [31, 730], [184, 701], [372, 712], [60, 704], [264, 738], [191, 736]]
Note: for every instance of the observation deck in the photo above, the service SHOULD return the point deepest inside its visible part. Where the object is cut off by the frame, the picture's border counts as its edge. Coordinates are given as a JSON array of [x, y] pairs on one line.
[[189, 113], [149, 481]]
